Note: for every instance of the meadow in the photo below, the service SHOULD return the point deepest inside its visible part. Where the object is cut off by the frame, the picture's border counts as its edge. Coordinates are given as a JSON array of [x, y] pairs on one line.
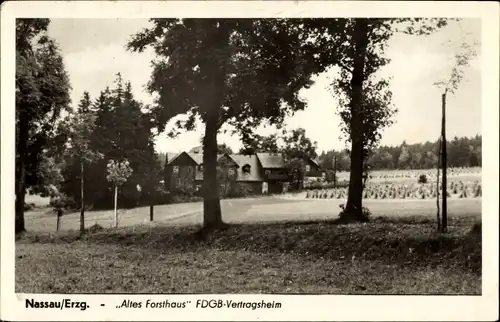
[[273, 244]]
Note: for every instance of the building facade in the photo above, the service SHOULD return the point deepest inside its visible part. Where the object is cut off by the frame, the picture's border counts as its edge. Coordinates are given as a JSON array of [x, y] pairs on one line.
[[237, 174]]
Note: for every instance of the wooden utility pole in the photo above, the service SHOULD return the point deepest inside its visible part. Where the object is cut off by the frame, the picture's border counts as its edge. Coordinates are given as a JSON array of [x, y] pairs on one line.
[[152, 191], [59, 212], [334, 172], [116, 206], [437, 186], [443, 164]]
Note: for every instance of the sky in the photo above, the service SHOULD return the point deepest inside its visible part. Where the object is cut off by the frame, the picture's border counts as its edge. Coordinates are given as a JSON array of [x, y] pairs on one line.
[[94, 52]]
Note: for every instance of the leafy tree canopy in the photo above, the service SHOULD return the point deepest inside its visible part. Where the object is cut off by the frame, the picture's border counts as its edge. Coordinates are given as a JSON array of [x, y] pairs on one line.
[[261, 65]]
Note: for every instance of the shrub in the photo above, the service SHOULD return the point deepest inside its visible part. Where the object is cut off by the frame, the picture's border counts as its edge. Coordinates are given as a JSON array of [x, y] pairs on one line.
[[476, 229], [325, 186], [239, 191], [162, 196], [95, 228], [422, 178], [365, 214], [63, 202], [478, 191], [185, 191], [331, 177], [29, 206], [184, 198]]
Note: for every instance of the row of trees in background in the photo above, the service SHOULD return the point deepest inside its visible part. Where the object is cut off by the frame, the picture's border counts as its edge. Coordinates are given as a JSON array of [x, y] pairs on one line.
[[462, 152]]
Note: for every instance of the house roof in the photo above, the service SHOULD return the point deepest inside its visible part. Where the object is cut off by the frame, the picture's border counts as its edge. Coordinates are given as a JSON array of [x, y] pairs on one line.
[[197, 157], [171, 160], [253, 162], [315, 161], [241, 160], [171, 156], [230, 157], [197, 149], [271, 160], [267, 160]]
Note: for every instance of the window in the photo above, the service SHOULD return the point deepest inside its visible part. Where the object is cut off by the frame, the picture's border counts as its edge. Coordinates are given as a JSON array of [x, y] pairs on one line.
[[176, 169], [308, 168], [200, 168], [246, 168]]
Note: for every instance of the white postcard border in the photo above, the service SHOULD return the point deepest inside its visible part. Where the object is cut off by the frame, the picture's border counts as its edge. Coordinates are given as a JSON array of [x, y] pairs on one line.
[[294, 308]]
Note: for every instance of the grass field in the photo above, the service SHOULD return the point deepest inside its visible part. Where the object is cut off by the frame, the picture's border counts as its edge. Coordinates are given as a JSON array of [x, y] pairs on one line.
[[250, 210], [398, 255], [273, 245]]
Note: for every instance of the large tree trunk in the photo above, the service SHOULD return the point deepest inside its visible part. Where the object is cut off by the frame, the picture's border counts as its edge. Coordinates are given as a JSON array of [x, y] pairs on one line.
[[355, 193], [82, 200], [20, 181], [20, 196], [166, 174], [444, 224], [353, 209], [212, 217]]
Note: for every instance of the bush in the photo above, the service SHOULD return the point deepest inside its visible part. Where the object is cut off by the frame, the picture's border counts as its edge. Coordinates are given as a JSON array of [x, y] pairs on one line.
[[476, 229], [184, 198], [29, 206], [422, 178], [63, 202], [95, 228], [162, 197], [239, 191], [331, 177], [365, 215], [320, 186]]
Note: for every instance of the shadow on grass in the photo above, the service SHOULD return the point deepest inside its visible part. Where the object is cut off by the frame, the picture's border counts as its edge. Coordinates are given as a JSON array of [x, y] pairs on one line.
[[403, 241]]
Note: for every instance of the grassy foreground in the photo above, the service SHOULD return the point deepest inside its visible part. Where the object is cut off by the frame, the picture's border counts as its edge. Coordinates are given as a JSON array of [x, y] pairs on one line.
[[385, 256]]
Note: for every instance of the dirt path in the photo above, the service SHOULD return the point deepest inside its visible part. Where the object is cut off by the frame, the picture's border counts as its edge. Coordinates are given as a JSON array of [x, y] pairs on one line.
[[249, 210]]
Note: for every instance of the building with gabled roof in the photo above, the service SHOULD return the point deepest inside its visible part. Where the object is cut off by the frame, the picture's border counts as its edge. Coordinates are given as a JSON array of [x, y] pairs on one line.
[[256, 173]]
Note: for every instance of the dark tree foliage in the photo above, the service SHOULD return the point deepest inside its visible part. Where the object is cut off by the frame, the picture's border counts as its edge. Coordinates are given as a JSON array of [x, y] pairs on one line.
[[296, 144], [295, 148], [123, 130], [462, 152], [224, 149], [42, 92], [365, 101], [255, 143]]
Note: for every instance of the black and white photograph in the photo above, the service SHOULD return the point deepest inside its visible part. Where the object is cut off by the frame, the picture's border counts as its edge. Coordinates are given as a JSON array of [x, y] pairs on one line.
[[286, 155]]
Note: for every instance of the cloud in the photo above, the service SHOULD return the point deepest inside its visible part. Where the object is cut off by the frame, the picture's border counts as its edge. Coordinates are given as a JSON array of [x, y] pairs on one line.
[[94, 51], [94, 68]]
